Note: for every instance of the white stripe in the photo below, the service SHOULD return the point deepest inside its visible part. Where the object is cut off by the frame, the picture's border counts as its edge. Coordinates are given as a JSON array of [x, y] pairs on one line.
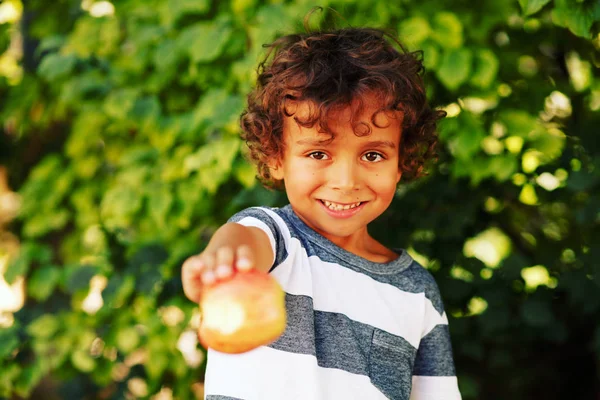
[[435, 388], [433, 319], [255, 222], [393, 306], [266, 373]]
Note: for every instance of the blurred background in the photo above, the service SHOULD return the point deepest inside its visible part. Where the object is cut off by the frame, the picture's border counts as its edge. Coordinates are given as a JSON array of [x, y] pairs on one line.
[[119, 156]]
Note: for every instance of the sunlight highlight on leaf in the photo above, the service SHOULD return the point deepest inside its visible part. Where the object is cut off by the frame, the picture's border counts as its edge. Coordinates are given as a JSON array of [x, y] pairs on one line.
[[452, 110], [477, 306], [102, 9], [580, 72], [12, 296], [93, 301], [10, 11], [137, 387], [460, 273], [530, 161], [548, 181], [558, 105], [537, 276], [490, 247], [187, 344], [514, 144], [528, 195]]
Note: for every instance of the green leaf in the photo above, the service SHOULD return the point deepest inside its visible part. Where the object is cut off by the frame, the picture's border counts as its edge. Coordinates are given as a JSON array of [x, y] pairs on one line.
[[431, 55], [503, 167], [120, 103], [245, 173], [414, 31], [447, 30], [217, 109], [82, 360], [44, 327], [467, 142], [146, 108], [160, 201], [77, 277], [119, 205], [578, 17], [9, 374], [220, 152], [167, 55], [532, 6], [156, 364], [56, 66], [455, 68], [242, 6], [29, 378], [29, 253], [9, 341], [128, 339], [43, 281], [118, 290], [81, 89], [518, 123], [205, 41], [180, 8], [486, 69], [550, 143]]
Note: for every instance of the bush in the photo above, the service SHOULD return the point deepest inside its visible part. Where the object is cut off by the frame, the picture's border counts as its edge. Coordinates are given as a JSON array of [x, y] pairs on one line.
[[120, 136]]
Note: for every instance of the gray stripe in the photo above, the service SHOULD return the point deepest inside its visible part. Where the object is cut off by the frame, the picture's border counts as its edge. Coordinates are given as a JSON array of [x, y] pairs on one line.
[[256, 212], [403, 273], [334, 339], [391, 365], [219, 397], [339, 342], [434, 357]]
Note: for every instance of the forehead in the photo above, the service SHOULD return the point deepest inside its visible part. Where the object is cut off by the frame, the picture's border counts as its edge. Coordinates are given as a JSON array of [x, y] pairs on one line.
[[364, 117]]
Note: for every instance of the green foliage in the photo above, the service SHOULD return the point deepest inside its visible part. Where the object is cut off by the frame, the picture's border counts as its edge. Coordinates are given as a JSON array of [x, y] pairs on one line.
[[123, 147]]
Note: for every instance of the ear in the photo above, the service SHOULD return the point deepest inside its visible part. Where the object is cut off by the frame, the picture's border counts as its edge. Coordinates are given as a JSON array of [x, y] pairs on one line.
[[398, 176], [276, 170]]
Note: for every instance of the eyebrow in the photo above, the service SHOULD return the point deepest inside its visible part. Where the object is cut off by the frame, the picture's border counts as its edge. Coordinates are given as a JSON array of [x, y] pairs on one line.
[[313, 142], [381, 143], [320, 142]]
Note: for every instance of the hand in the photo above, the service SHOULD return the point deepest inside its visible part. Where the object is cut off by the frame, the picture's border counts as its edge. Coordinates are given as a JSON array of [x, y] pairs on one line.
[[211, 266]]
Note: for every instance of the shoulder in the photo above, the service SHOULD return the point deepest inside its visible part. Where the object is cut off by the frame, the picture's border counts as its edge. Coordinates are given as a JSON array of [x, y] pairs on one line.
[[270, 221], [424, 282], [260, 213]]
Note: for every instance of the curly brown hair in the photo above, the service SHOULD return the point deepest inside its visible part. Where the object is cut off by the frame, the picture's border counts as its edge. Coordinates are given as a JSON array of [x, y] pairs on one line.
[[332, 69]]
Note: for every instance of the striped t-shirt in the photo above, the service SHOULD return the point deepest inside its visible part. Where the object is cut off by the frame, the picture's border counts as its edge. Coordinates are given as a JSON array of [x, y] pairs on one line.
[[356, 329]]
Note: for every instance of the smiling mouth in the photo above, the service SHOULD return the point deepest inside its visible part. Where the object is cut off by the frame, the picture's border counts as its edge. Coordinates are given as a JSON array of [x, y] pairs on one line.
[[340, 206]]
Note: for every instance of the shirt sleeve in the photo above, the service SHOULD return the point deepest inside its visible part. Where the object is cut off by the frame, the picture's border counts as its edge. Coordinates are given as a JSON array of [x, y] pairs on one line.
[[259, 218], [434, 374]]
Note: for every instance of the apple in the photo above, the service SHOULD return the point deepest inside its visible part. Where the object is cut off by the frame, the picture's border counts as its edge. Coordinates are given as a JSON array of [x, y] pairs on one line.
[[242, 313]]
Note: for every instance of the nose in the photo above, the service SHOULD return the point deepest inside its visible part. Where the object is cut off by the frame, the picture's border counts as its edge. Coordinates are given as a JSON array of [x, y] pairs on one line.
[[343, 175]]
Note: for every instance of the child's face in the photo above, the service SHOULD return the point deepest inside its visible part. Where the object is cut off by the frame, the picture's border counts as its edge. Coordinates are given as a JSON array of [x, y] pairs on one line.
[[348, 170]]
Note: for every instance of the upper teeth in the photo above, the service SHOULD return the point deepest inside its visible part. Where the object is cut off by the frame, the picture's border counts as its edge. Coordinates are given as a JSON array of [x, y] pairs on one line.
[[336, 206]]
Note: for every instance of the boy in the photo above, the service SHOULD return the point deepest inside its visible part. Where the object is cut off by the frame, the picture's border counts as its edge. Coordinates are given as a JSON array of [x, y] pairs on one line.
[[336, 119]]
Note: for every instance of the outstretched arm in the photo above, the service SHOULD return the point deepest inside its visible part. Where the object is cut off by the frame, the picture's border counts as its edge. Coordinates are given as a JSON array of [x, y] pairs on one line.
[[233, 246]]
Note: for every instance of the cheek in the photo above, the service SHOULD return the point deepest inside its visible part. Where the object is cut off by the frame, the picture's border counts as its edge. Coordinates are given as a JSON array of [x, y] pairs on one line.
[[302, 174], [384, 182]]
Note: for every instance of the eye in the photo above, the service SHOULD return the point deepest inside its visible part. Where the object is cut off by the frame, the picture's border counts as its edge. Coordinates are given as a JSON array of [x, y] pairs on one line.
[[372, 157], [318, 155]]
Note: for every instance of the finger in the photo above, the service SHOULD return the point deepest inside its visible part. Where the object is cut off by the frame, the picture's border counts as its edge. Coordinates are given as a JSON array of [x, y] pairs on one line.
[[244, 258], [191, 277], [192, 265], [224, 263], [208, 273]]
